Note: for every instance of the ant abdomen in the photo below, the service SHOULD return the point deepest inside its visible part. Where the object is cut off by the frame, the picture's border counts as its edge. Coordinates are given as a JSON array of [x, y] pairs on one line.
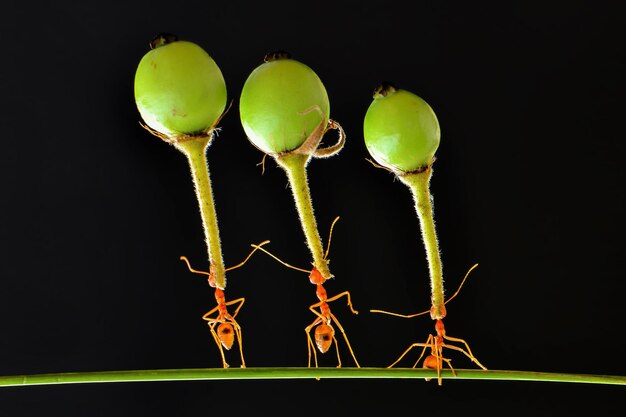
[[226, 334], [324, 335]]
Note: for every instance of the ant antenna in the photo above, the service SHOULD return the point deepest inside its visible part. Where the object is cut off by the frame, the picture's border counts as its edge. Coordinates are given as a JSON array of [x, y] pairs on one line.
[[330, 236], [249, 255], [410, 316], [462, 282], [280, 260], [195, 271]]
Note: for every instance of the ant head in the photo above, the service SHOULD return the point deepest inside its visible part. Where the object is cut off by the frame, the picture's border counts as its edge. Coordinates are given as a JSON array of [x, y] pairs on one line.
[[440, 328], [316, 277], [226, 334], [324, 335]]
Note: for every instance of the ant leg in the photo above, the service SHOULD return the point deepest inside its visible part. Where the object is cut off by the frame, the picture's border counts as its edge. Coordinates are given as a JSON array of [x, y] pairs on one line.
[[449, 363], [240, 341], [347, 295], [238, 300], [336, 321], [206, 315], [310, 344], [440, 360], [414, 345], [429, 344], [312, 307], [337, 349], [435, 361], [212, 324], [467, 353]]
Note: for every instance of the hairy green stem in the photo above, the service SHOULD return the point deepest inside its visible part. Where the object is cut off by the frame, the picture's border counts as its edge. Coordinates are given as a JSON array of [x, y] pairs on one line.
[[294, 165], [419, 183], [195, 150], [298, 373]]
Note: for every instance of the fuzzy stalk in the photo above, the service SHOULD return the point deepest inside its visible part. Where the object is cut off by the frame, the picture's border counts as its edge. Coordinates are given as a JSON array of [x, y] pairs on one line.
[[294, 165], [195, 151], [419, 184]]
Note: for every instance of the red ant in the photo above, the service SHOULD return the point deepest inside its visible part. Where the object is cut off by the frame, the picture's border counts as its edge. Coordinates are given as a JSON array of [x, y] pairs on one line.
[[324, 333], [437, 342], [227, 327]]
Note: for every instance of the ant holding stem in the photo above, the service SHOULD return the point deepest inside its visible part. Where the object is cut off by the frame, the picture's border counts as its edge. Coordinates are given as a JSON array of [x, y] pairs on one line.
[[227, 327], [324, 333], [285, 113], [402, 134], [437, 342]]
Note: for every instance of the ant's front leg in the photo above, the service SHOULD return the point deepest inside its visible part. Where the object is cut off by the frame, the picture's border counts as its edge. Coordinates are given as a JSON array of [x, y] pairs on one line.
[[238, 300], [344, 294]]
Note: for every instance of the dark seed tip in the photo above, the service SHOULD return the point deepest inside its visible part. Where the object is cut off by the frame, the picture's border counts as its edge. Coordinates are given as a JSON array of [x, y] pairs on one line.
[[276, 55], [162, 39], [384, 89]]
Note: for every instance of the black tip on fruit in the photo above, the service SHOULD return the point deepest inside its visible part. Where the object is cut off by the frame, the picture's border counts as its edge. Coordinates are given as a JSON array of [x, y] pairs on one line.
[[162, 39], [276, 55], [384, 89]]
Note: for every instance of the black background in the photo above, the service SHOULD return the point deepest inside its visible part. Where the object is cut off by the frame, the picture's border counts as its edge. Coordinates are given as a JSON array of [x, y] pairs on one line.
[[529, 183]]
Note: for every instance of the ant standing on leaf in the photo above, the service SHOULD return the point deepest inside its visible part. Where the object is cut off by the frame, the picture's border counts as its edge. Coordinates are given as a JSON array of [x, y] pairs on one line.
[[324, 333], [227, 327], [437, 342]]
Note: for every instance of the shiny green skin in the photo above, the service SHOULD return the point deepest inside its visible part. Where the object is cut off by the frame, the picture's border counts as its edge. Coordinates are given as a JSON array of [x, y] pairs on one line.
[[401, 132], [179, 89], [282, 103]]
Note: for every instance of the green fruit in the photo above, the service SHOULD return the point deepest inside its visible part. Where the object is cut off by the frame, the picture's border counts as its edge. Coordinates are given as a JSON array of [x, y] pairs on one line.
[[179, 89], [282, 102], [401, 130]]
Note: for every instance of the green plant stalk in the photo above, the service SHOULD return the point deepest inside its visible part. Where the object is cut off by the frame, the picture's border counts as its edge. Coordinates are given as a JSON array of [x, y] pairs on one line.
[[299, 373], [195, 151], [294, 165], [419, 183]]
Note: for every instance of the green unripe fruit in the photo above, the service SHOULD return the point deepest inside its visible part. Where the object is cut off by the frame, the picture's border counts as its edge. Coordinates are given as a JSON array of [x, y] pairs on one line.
[[282, 103], [401, 130], [179, 89]]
